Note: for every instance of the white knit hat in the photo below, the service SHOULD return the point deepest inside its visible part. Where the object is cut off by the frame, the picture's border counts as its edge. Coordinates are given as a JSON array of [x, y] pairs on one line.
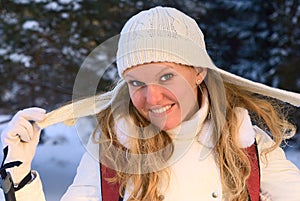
[[164, 34], [160, 34]]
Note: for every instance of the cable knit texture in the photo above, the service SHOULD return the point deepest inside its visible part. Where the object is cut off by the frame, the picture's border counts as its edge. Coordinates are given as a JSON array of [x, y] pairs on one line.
[[161, 34]]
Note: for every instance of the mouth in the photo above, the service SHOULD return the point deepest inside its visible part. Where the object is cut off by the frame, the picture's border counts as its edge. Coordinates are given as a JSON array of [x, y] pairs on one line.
[[161, 110]]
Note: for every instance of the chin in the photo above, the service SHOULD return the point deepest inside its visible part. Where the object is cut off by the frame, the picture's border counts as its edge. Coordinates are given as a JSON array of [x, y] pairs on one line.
[[170, 126]]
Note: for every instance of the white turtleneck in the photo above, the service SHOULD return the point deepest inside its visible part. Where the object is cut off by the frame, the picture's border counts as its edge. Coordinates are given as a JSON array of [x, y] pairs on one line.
[[194, 174]]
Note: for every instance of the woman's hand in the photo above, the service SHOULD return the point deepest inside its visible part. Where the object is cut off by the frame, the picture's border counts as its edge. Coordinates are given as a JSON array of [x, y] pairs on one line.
[[21, 136]]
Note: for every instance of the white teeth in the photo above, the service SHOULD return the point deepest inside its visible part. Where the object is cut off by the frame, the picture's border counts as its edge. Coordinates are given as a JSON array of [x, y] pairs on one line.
[[161, 110]]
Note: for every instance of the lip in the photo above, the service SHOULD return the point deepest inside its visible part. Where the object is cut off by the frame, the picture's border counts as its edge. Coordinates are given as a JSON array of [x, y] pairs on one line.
[[161, 110]]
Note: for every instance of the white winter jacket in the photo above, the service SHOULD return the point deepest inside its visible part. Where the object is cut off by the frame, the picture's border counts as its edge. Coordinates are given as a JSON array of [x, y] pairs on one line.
[[201, 181]]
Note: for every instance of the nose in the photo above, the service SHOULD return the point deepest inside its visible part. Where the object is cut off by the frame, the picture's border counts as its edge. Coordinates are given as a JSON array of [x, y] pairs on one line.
[[153, 94]]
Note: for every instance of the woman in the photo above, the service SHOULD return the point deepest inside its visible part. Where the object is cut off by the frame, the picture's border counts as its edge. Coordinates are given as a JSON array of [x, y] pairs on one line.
[[174, 128]]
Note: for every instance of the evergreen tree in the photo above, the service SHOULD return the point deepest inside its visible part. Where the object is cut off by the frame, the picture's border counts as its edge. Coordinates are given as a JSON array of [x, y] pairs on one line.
[[43, 43]]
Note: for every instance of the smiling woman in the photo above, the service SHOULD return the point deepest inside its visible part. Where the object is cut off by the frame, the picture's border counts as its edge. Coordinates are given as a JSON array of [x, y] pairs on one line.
[[174, 128], [164, 93]]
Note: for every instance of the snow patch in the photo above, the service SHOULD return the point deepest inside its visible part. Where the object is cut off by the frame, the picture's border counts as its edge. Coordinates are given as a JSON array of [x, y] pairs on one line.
[[65, 15], [65, 1], [22, 1], [21, 58], [53, 6], [29, 1], [40, 1], [294, 156], [3, 51], [32, 25]]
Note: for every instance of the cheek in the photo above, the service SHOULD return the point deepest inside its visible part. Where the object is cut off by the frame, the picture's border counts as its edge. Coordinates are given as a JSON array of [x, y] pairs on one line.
[[186, 96], [183, 93], [137, 100]]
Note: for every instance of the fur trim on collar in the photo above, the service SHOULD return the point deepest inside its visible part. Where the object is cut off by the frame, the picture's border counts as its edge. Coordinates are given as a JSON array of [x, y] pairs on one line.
[[246, 134]]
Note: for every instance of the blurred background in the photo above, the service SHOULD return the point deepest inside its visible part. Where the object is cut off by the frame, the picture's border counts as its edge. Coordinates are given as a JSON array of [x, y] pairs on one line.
[[43, 44]]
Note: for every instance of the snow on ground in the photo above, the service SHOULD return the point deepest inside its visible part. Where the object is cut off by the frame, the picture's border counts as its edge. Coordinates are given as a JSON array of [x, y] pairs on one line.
[[56, 160]]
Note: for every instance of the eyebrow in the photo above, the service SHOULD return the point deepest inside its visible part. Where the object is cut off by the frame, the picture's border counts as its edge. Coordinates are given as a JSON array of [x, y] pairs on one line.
[[162, 70]]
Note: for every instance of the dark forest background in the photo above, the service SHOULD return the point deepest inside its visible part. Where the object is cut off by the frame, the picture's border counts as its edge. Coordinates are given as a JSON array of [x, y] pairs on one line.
[[43, 43]]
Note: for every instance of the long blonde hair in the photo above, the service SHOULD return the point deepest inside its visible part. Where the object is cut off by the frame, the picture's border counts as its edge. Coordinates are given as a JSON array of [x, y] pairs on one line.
[[232, 160]]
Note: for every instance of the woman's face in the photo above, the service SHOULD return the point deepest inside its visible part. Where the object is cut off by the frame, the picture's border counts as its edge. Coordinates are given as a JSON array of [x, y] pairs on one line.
[[164, 93]]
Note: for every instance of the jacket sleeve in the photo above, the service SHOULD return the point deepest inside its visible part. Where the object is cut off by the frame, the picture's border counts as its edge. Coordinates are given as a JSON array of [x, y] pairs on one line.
[[279, 177], [86, 184]]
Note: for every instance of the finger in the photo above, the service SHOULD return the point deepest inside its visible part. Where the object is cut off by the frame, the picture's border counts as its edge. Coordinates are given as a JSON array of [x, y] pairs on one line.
[[36, 134], [34, 114], [13, 136], [20, 126], [27, 130]]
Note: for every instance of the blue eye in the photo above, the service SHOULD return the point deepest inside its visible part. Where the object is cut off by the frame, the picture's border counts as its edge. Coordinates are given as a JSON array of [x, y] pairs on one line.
[[136, 83], [166, 77]]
